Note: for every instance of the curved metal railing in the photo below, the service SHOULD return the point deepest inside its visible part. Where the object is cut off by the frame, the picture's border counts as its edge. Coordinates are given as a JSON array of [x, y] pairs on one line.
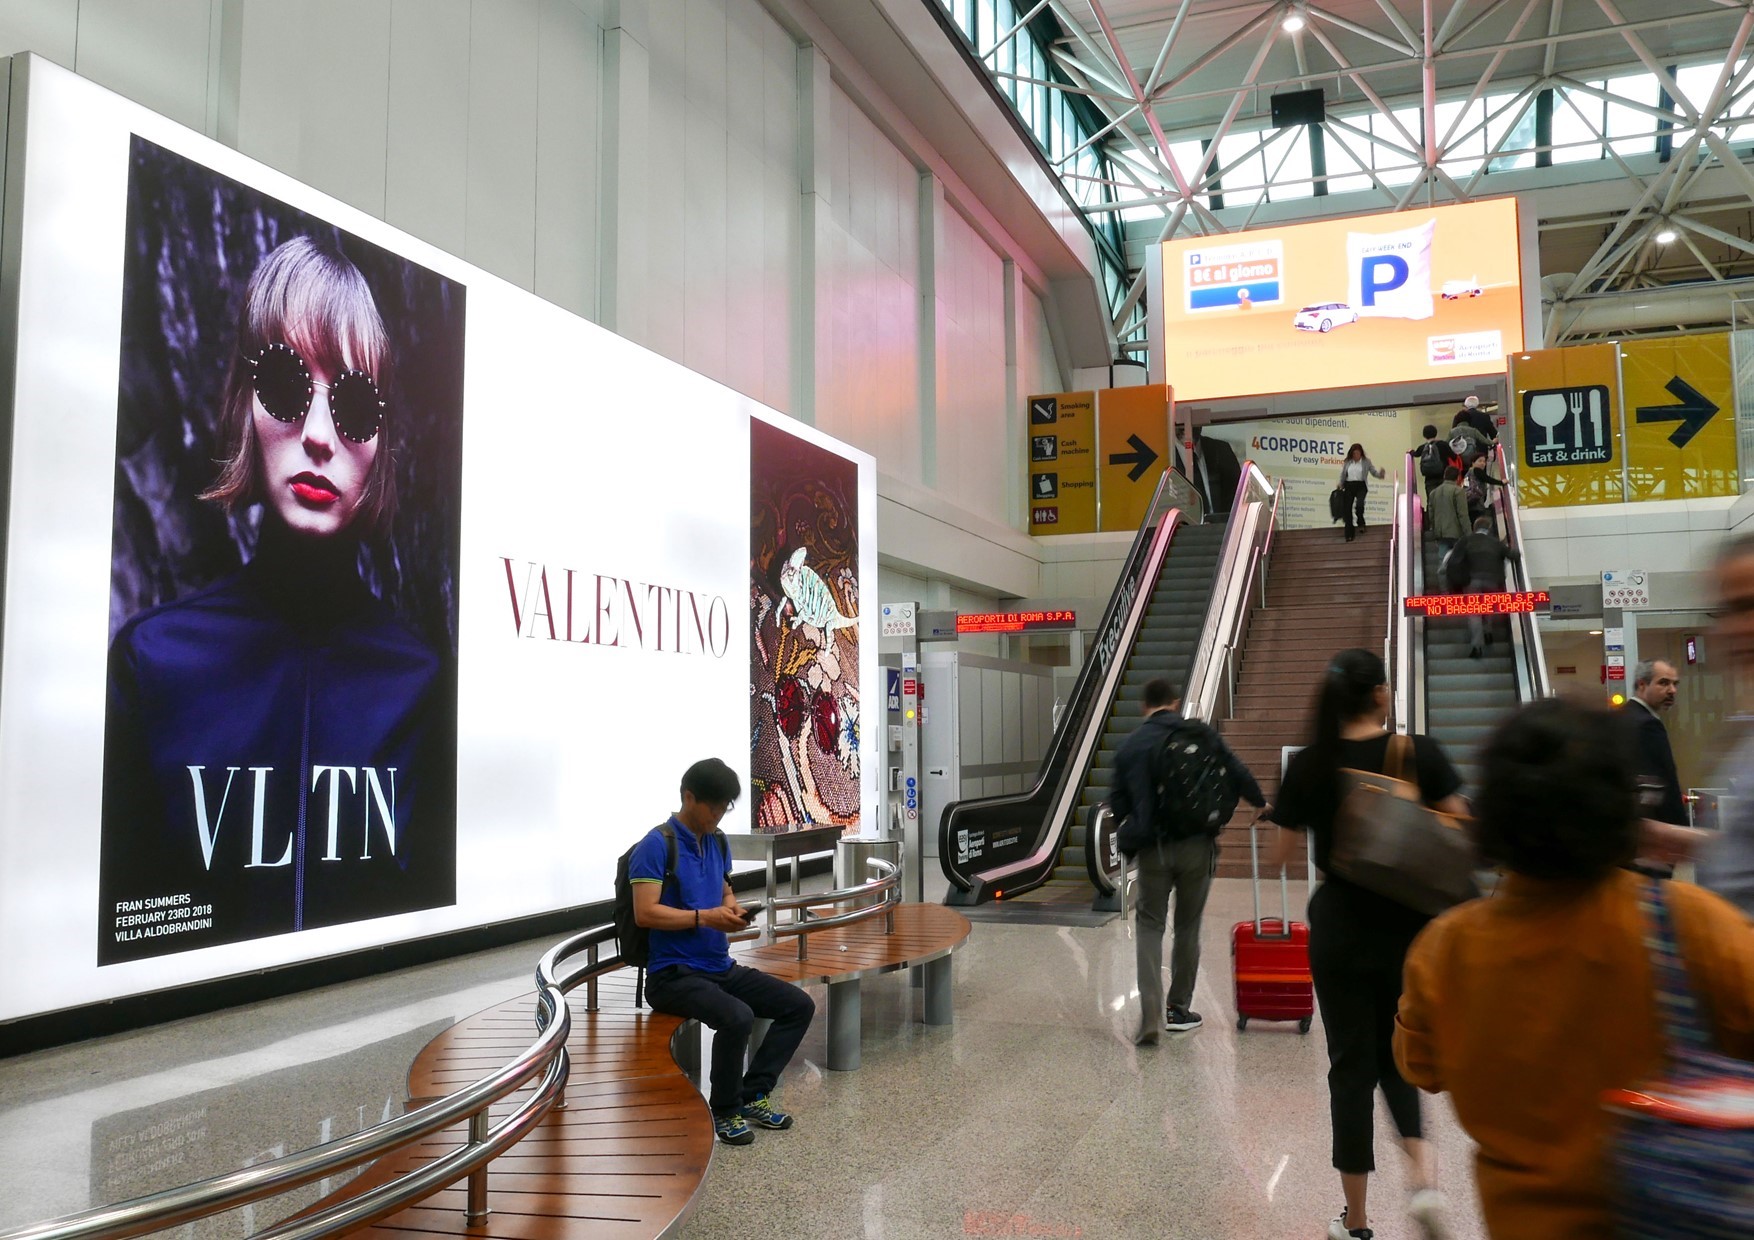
[[546, 1058], [1406, 633]]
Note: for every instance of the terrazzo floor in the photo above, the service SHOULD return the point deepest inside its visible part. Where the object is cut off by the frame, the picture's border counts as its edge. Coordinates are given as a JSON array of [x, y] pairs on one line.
[[1032, 1115]]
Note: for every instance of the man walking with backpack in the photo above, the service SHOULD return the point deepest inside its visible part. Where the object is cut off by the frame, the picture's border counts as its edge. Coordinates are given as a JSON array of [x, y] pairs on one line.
[[680, 876], [1176, 784]]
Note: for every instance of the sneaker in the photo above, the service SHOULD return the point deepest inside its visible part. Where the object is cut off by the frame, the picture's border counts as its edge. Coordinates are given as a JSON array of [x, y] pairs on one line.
[[759, 1111], [729, 1127], [1337, 1230], [1181, 1020], [1429, 1211]]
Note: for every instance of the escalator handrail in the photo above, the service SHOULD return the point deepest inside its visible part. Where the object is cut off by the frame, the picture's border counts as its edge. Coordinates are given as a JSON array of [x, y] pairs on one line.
[[1084, 689], [1406, 578], [1225, 611], [1532, 679]]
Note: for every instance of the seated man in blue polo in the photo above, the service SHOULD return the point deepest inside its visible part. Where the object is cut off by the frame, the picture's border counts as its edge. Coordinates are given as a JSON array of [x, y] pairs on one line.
[[690, 973]]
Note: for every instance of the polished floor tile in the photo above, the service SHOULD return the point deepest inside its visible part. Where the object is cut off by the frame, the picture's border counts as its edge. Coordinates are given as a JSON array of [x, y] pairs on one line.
[[1032, 1115]]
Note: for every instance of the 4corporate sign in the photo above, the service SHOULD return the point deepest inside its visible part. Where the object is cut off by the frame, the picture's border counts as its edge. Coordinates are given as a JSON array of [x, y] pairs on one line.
[[288, 676], [1305, 454], [1340, 303]]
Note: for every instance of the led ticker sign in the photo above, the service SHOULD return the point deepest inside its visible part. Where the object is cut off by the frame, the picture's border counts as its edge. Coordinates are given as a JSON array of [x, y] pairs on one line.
[[1503, 603], [1014, 621]]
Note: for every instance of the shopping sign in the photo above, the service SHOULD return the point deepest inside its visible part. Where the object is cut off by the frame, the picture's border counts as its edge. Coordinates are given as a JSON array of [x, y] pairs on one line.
[[1500, 603]]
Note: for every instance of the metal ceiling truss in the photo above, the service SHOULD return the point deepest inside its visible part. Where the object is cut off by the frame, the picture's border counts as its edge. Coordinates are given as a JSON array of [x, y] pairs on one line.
[[1379, 57]]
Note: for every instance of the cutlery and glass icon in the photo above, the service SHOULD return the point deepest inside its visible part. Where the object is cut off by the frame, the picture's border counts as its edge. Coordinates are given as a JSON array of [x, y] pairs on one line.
[[1572, 425]]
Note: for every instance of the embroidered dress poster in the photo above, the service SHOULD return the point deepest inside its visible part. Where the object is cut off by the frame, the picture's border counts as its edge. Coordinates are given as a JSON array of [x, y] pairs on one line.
[[804, 693]]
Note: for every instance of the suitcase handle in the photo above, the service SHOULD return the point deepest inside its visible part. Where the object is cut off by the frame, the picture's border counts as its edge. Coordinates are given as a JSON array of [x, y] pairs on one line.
[[1284, 885]]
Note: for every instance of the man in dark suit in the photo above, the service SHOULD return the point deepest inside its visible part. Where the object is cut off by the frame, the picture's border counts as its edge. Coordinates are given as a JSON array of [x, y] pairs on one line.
[[1654, 685]]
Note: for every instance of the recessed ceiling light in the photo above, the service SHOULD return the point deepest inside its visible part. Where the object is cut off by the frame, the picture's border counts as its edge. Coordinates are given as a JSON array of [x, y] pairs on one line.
[[1292, 22], [1667, 236]]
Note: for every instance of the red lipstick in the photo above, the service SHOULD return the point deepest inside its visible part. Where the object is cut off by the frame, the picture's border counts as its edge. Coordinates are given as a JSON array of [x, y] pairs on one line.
[[315, 489]]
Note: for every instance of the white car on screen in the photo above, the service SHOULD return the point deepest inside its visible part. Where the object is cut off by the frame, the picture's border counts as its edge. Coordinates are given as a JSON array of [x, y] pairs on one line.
[[1454, 289], [1324, 316]]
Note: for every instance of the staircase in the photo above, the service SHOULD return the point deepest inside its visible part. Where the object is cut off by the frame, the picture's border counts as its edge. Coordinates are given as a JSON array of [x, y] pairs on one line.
[[1324, 595], [1465, 698], [1165, 647]]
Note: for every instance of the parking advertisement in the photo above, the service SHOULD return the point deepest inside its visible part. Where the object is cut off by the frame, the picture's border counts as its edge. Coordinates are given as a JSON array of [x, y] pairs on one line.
[[1377, 299]]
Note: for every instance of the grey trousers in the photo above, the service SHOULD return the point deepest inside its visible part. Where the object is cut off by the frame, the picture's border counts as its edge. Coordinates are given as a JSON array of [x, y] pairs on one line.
[[1184, 867]]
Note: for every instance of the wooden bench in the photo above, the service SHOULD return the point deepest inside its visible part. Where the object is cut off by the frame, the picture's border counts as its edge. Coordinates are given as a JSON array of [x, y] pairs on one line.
[[627, 1154]]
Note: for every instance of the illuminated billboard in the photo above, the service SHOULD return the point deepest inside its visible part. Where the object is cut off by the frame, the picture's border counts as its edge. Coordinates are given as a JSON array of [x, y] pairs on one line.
[[1392, 298], [355, 595]]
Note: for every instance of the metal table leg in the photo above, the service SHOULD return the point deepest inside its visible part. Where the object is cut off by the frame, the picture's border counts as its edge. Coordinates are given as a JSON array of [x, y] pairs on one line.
[[938, 991], [845, 1009]]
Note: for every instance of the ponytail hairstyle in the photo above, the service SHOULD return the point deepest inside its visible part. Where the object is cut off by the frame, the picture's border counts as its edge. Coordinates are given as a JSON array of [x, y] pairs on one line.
[[1348, 691]]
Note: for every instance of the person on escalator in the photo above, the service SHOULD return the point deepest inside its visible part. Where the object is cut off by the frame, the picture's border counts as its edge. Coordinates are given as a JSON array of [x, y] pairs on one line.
[[1447, 513], [1483, 557], [1478, 484], [1434, 458], [1176, 784]]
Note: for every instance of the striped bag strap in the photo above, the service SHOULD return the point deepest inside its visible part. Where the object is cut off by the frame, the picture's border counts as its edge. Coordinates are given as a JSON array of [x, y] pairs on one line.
[[1684, 1028]]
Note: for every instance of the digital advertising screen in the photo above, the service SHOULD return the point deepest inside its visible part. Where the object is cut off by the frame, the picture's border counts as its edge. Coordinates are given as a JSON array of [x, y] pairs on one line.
[[1375, 299], [354, 595]]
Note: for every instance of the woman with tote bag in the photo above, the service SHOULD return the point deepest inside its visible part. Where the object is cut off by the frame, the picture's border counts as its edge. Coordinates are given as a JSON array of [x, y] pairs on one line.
[[1358, 939]]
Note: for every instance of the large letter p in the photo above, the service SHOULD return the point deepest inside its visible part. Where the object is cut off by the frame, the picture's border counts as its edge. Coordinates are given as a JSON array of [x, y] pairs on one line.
[[1380, 273]]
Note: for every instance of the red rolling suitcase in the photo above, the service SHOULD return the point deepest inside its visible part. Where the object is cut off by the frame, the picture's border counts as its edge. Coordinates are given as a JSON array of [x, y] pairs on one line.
[[1269, 958]]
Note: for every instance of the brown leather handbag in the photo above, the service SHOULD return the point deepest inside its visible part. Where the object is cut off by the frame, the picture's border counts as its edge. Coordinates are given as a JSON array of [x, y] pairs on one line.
[[1387, 841]]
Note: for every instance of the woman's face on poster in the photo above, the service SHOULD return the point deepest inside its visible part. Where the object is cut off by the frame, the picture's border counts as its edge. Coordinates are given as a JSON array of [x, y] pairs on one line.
[[313, 477]]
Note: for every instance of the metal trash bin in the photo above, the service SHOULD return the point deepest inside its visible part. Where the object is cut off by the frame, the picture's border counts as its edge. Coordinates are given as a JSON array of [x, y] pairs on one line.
[[850, 856]]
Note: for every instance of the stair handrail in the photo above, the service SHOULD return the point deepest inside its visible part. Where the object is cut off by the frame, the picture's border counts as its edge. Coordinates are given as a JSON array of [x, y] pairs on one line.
[[1527, 649], [1242, 572], [1174, 501]]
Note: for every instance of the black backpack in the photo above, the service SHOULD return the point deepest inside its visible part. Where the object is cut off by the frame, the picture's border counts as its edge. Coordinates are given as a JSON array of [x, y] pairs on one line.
[[634, 939], [1190, 782], [1432, 460]]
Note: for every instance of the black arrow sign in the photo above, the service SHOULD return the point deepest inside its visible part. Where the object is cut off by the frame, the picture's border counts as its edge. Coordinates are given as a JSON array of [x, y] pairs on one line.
[[1694, 411], [1144, 456]]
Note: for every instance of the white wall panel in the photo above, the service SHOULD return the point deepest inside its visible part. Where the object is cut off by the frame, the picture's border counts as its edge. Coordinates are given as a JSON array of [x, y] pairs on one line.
[[155, 54], [667, 305], [427, 147], [47, 27], [567, 107], [500, 228]]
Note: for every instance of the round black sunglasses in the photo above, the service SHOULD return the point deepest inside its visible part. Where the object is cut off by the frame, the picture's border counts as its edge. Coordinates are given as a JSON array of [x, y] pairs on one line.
[[284, 385]]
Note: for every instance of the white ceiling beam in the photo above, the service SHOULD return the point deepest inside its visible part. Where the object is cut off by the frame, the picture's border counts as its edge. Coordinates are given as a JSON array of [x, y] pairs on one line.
[[1224, 45], [1491, 12], [1012, 33], [1555, 15], [1716, 234], [1331, 132], [1574, 36], [1363, 32], [1169, 42], [1711, 269]]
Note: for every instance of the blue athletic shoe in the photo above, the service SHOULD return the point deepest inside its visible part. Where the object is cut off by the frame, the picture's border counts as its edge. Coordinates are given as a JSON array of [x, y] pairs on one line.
[[759, 1111], [729, 1127]]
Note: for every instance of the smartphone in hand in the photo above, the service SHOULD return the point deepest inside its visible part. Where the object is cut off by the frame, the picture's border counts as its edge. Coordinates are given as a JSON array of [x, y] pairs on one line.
[[752, 911]]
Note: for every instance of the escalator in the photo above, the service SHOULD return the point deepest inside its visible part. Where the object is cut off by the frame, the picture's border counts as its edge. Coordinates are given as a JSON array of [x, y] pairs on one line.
[[1164, 647], [1002, 848], [1033, 854], [1441, 691]]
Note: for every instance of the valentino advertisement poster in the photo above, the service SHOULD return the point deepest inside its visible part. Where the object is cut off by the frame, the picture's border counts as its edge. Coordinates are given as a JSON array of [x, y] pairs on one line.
[[804, 592], [356, 595], [280, 747]]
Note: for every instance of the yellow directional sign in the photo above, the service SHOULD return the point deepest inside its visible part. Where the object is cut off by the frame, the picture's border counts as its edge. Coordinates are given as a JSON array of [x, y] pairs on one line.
[[1133, 451], [1567, 410], [1680, 417], [1062, 463]]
